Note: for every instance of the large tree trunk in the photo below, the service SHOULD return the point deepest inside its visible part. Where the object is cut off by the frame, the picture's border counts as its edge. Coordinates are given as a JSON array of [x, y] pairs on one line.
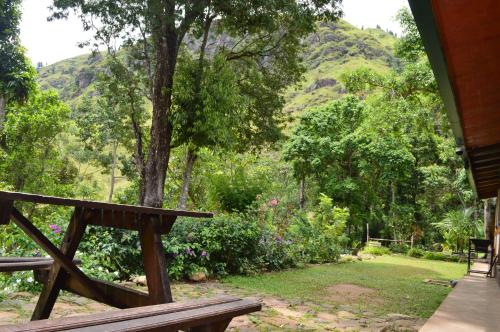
[[186, 178], [153, 179], [113, 169]]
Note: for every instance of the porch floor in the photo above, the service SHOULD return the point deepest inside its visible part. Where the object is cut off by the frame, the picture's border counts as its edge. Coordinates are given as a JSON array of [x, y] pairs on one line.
[[472, 306]]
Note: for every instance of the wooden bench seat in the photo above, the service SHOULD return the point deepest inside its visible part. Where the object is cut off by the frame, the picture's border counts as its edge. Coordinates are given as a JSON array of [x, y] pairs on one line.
[[199, 315], [14, 264]]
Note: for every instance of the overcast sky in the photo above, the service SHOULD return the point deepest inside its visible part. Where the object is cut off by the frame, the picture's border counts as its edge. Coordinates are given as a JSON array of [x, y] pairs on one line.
[[49, 42]]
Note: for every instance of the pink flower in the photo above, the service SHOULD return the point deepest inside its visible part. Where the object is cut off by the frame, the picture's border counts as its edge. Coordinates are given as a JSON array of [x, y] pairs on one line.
[[273, 202], [55, 228]]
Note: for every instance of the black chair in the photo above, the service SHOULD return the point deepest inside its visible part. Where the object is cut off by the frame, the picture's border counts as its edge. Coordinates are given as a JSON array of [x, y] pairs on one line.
[[481, 246]]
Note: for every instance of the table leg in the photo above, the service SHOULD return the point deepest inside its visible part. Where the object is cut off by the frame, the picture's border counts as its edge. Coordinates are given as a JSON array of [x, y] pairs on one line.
[[57, 276], [155, 262]]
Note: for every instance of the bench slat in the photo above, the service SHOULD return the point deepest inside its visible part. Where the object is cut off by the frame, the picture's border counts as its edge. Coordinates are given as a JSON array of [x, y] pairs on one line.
[[13, 264], [134, 314], [25, 266], [16, 196], [12, 259], [180, 320]]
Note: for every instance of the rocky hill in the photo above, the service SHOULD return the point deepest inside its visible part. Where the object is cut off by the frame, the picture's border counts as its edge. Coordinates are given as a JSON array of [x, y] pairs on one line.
[[334, 49]]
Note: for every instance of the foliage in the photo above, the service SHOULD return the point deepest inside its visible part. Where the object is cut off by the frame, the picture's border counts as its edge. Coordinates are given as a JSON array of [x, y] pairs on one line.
[[222, 245], [439, 256], [18, 281], [114, 121], [432, 255], [237, 191], [31, 159], [399, 248], [412, 179], [158, 29], [377, 251], [17, 75], [457, 227], [111, 254], [320, 236], [410, 47], [416, 252], [231, 244]]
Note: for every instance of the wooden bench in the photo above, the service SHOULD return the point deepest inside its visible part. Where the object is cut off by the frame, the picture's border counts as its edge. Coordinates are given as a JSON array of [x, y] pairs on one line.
[[201, 315], [14, 264]]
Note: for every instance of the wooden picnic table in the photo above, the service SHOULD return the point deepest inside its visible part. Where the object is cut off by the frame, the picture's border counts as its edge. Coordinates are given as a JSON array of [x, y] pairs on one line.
[[150, 222]]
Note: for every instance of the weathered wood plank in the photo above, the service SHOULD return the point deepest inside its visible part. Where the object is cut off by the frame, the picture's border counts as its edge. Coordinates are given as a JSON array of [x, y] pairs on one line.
[[57, 276], [201, 319], [128, 220], [13, 266], [155, 262], [16, 259], [65, 260], [5, 209], [15, 196], [214, 327], [194, 315], [114, 295]]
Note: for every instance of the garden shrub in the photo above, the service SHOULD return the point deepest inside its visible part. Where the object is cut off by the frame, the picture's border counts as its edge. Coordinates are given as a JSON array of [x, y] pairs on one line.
[[235, 193], [377, 251], [399, 248], [439, 256], [110, 254], [226, 244], [320, 237], [416, 252]]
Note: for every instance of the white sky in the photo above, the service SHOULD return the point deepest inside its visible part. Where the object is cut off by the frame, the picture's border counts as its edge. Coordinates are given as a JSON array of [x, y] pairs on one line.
[[49, 42]]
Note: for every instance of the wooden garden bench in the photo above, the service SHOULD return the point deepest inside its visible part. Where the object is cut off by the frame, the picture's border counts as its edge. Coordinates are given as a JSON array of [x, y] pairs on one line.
[[63, 273], [152, 311], [207, 315]]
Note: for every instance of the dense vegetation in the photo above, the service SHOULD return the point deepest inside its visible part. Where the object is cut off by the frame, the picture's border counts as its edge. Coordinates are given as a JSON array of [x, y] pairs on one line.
[[293, 172]]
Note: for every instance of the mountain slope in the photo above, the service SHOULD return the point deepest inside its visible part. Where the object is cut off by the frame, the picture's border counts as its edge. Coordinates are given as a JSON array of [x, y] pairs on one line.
[[334, 49]]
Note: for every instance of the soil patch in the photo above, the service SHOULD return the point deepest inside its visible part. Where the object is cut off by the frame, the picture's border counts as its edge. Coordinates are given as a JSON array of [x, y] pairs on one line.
[[349, 293]]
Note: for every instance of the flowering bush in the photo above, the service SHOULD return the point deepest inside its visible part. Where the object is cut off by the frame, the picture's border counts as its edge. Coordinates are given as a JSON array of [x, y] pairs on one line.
[[222, 245]]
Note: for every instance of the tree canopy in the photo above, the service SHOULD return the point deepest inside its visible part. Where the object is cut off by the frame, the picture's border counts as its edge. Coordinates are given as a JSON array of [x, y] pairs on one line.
[[161, 27]]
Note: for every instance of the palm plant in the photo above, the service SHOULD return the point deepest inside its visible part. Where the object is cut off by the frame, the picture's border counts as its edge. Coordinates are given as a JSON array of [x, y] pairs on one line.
[[456, 228]]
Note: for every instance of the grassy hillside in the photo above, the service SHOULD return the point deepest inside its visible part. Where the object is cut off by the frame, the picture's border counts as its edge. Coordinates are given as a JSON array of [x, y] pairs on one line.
[[334, 49], [72, 78], [337, 48]]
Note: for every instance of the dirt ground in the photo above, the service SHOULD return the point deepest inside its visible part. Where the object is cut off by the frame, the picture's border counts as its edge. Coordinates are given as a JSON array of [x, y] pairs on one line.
[[340, 310]]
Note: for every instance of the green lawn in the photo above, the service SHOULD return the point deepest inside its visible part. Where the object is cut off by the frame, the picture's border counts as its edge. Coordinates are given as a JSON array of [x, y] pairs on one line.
[[398, 281]]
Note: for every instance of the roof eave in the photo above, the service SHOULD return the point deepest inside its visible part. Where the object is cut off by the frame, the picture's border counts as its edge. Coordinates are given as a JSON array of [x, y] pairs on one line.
[[426, 24]]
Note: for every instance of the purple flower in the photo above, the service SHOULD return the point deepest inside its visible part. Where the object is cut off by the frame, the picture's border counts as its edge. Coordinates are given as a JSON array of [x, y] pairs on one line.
[[203, 253], [190, 252], [279, 239], [55, 228]]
